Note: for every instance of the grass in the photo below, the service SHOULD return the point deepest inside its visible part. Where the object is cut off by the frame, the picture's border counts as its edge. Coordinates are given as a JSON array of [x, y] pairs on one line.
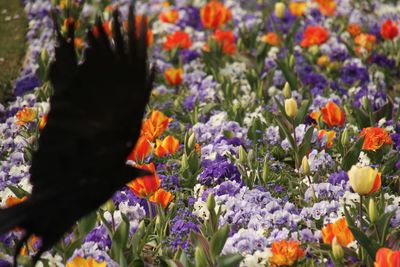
[[12, 43]]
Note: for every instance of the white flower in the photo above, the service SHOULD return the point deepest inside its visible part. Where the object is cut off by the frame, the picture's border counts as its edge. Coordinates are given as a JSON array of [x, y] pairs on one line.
[[259, 258], [200, 209]]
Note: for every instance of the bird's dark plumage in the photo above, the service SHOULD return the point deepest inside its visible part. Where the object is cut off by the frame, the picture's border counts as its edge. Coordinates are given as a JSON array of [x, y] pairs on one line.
[[94, 123]]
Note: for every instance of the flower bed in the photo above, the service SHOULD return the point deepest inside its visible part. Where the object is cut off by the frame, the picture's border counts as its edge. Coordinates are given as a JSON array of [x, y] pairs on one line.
[[272, 131]]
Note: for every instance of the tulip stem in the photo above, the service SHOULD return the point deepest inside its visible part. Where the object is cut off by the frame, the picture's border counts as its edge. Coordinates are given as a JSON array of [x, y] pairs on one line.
[[361, 212], [150, 209]]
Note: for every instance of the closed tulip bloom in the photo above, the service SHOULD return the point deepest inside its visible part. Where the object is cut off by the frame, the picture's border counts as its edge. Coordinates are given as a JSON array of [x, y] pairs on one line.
[[291, 107], [297, 8], [389, 30], [162, 197], [332, 114], [279, 10], [174, 76], [364, 180], [214, 15]]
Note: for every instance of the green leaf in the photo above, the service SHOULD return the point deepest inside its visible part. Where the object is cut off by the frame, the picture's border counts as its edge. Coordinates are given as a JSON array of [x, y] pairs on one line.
[[200, 257], [352, 155], [287, 133], [389, 166], [384, 112], [87, 223], [306, 143], [18, 192], [302, 113], [201, 241], [289, 75], [383, 224], [219, 239], [229, 260], [367, 243], [120, 239], [361, 117]]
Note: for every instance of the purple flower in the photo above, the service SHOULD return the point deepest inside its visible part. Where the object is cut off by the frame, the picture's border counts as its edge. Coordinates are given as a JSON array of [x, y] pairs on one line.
[[217, 171], [337, 177]]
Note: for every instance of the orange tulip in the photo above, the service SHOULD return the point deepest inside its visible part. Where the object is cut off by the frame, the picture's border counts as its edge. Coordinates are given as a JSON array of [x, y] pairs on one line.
[[375, 138], [141, 150], [145, 186], [354, 29], [170, 16], [25, 115], [167, 146], [154, 126], [43, 122], [387, 258], [338, 229], [327, 7], [297, 8], [329, 135], [174, 76], [214, 14], [162, 197], [314, 35], [176, 40], [285, 253], [389, 30], [271, 38], [332, 114], [226, 39], [366, 41]]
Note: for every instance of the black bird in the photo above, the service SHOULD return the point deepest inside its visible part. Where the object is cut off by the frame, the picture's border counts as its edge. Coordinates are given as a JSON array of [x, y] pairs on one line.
[[94, 122]]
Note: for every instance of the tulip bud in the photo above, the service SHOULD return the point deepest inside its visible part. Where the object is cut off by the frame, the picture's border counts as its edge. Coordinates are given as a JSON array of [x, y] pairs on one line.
[[158, 222], [314, 50], [211, 202], [44, 56], [337, 250], [265, 171], [291, 107], [372, 211], [292, 61], [287, 92], [280, 9], [345, 137], [184, 162], [305, 166], [191, 141], [109, 206], [365, 102], [242, 155], [323, 61], [251, 156]]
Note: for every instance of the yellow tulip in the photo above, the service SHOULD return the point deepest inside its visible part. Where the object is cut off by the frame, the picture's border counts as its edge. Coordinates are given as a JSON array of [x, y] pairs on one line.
[[364, 180], [280, 9], [291, 107]]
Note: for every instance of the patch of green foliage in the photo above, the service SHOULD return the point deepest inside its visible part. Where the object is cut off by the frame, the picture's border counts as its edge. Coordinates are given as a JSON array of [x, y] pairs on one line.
[[12, 43]]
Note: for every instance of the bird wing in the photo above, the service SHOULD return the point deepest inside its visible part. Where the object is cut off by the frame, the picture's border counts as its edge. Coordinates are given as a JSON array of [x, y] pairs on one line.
[[93, 124]]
